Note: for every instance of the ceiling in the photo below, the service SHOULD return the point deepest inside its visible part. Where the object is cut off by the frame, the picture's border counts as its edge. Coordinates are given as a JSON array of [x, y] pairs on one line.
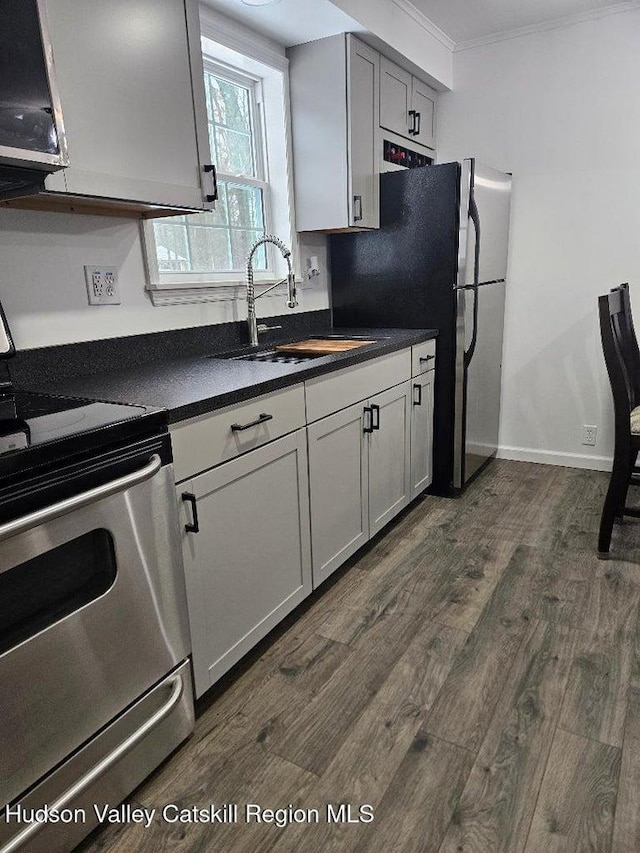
[[290, 22], [465, 20]]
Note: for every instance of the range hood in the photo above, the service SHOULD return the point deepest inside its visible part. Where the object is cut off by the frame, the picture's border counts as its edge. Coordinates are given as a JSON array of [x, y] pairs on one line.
[[18, 183], [32, 137]]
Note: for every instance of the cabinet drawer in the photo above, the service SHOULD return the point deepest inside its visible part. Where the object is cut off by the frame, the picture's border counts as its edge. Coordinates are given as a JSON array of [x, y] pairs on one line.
[[423, 357], [328, 394], [208, 440]]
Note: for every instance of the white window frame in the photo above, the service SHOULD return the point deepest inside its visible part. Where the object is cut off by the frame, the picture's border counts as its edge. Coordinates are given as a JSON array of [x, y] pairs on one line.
[[176, 288]]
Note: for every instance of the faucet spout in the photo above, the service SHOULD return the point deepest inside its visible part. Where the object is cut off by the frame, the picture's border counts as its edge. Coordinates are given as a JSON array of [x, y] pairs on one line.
[[251, 294]]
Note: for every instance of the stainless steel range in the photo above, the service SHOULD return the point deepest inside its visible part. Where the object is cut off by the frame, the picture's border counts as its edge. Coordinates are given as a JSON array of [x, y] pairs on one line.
[[95, 685]]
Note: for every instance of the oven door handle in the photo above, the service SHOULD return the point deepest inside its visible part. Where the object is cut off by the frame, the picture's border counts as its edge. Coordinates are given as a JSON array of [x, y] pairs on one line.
[[48, 513], [177, 688]]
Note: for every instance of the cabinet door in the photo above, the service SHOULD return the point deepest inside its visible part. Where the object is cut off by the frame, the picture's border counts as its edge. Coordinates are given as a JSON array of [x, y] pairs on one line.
[[338, 485], [422, 432], [395, 97], [124, 76], [389, 455], [423, 101], [250, 563], [362, 107]]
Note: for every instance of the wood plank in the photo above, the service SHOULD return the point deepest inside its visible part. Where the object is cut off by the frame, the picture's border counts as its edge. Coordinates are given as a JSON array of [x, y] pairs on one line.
[[446, 579], [496, 807], [385, 592], [374, 747], [306, 658], [247, 775], [466, 703], [575, 808], [316, 734], [471, 583], [390, 547], [420, 800], [596, 700], [626, 834], [378, 741], [266, 714], [564, 600]]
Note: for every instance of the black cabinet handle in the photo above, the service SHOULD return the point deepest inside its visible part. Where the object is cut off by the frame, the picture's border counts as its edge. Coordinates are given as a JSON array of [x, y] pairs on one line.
[[261, 419], [357, 200], [417, 130], [427, 357], [189, 497], [214, 178], [375, 416], [417, 402], [412, 127], [365, 428]]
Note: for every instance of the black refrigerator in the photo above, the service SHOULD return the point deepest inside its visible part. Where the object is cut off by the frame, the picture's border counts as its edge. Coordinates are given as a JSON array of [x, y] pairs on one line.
[[438, 260]]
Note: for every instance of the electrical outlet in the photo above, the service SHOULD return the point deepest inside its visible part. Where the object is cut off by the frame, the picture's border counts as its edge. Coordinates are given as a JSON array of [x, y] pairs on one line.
[[102, 285], [313, 267], [589, 434]]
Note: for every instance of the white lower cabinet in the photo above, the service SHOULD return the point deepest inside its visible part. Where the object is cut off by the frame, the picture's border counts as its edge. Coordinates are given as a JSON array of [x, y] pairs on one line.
[[389, 455], [249, 563], [339, 485], [270, 508], [359, 462], [421, 433]]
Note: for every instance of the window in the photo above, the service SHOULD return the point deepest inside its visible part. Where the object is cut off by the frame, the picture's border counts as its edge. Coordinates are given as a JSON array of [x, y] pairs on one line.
[[190, 257], [218, 242]]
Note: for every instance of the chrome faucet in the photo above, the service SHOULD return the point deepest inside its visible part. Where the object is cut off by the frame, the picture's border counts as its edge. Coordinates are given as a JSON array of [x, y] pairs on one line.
[[251, 294]]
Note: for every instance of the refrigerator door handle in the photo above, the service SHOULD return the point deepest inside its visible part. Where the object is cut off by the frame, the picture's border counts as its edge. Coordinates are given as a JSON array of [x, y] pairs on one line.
[[475, 218]]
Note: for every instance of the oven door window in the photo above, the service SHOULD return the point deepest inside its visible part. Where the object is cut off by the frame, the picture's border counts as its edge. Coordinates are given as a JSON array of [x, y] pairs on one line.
[[45, 589]]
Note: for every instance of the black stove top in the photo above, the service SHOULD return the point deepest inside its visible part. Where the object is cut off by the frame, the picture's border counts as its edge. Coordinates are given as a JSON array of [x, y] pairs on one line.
[[41, 429]]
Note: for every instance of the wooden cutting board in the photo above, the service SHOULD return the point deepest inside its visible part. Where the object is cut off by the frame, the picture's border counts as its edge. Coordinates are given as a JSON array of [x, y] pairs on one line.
[[321, 347]]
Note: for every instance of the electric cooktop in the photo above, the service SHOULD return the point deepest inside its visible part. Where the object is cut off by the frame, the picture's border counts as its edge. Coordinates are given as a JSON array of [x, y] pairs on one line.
[[40, 429]]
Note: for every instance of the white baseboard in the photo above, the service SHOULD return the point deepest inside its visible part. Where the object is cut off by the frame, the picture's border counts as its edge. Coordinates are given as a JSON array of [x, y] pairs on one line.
[[551, 457]]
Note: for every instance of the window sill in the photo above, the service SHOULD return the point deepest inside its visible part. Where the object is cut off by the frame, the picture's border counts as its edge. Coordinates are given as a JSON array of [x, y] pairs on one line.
[[229, 292]]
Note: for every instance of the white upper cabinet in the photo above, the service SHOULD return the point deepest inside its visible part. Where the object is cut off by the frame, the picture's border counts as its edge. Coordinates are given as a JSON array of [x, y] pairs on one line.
[[362, 111], [334, 115], [423, 102], [407, 105], [124, 71], [395, 97]]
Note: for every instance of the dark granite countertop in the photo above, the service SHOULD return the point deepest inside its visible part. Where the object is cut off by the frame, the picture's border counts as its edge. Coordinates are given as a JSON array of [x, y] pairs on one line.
[[192, 386]]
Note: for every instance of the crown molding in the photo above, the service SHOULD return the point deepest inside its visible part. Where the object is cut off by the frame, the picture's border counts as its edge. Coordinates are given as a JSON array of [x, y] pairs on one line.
[[544, 26], [421, 19]]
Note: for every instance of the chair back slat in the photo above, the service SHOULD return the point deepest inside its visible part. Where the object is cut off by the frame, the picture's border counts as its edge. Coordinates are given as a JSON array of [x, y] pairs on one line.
[[634, 353], [620, 353]]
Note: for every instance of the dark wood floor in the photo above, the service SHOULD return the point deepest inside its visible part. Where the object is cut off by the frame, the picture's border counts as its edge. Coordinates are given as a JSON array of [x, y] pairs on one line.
[[474, 675]]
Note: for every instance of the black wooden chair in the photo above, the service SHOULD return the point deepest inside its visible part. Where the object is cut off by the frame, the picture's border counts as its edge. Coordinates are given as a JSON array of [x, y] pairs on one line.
[[622, 358]]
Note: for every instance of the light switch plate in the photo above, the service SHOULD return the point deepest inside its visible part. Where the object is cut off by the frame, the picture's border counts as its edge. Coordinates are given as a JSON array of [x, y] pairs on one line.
[[102, 285]]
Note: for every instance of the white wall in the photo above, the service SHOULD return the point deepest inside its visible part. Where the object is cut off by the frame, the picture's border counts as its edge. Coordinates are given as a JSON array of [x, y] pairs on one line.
[[42, 285], [561, 110]]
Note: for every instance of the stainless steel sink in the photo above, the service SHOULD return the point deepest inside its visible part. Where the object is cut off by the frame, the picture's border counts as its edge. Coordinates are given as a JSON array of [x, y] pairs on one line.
[[272, 357], [349, 338]]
